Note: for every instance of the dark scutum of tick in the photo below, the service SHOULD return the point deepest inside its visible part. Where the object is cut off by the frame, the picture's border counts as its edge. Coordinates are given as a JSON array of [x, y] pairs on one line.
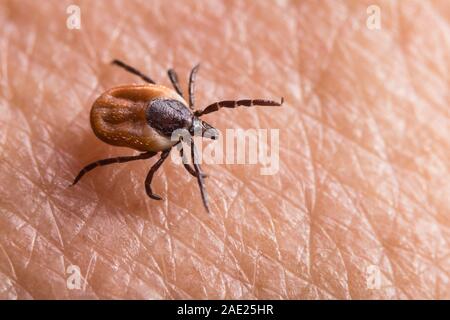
[[167, 115]]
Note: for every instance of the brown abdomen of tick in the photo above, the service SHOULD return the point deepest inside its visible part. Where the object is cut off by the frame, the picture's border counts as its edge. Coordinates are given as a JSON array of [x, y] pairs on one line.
[[119, 117]]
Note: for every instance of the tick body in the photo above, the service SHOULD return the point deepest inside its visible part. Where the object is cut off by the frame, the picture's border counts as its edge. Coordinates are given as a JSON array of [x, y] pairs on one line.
[[144, 116], [139, 116]]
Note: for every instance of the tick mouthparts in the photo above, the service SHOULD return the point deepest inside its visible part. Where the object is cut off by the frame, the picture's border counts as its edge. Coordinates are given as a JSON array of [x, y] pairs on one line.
[[208, 131], [213, 134]]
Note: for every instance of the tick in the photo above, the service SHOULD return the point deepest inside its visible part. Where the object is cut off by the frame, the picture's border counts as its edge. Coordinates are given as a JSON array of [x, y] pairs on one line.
[[144, 116]]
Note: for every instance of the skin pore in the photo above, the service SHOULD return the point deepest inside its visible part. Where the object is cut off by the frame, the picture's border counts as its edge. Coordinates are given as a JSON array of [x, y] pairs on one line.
[[359, 207]]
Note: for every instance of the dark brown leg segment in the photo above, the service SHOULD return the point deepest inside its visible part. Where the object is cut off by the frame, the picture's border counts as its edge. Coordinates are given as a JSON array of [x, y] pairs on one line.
[[236, 103], [175, 82], [154, 168], [199, 176], [192, 86], [133, 71], [105, 162], [188, 166]]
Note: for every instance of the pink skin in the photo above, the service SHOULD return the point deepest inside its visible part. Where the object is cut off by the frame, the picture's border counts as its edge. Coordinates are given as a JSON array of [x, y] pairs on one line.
[[364, 180]]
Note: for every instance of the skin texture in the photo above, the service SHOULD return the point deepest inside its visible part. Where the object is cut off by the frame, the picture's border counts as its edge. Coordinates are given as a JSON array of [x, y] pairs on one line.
[[364, 175]]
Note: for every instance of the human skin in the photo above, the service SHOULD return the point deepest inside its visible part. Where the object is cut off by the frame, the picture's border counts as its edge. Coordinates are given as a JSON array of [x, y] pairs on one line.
[[364, 178]]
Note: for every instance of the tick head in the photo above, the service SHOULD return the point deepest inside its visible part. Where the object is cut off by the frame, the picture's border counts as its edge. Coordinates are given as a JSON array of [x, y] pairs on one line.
[[168, 115], [206, 130]]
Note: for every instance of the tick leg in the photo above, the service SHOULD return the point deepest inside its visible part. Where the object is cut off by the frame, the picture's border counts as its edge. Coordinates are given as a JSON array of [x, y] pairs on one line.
[[236, 103], [150, 174], [188, 166], [105, 162], [192, 86], [199, 176], [174, 79], [132, 70]]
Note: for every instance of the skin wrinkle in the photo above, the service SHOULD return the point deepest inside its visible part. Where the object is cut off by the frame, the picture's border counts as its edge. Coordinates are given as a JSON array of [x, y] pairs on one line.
[[340, 182], [277, 248], [46, 268], [18, 287], [162, 272], [35, 228], [36, 233], [10, 264], [274, 260], [343, 203], [342, 295], [369, 152], [131, 274], [246, 280], [163, 267], [367, 219]]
